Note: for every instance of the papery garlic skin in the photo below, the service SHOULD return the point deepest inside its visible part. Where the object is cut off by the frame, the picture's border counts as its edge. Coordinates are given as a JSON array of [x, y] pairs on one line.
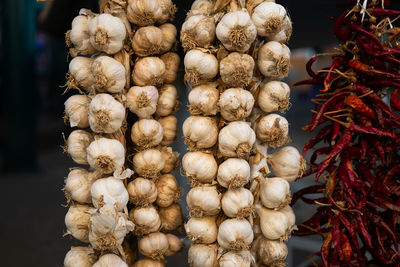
[[235, 104], [200, 132], [203, 99], [106, 114], [148, 263], [77, 222], [236, 31], [79, 34], [171, 61], [236, 259], [274, 60], [154, 245], [78, 184], [146, 220], [169, 34], [271, 252], [275, 193], [237, 203], [274, 96], [109, 190], [236, 69], [170, 129], [80, 257], [204, 201], [171, 217], [77, 143], [200, 66], [203, 255], [287, 163], [201, 7], [235, 234], [142, 100], [201, 230], [77, 110], [275, 224], [109, 75], [142, 191], [170, 158], [168, 11], [198, 31], [147, 133], [167, 100], [143, 12], [268, 18], [236, 139], [233, 173], [79, 74], [148, 71], [148, 163], [199, 167], [273, 129], [175, 245], [147, 41], [107, 33], [106, 155], [168, 190], [108, 260], [286, 32]]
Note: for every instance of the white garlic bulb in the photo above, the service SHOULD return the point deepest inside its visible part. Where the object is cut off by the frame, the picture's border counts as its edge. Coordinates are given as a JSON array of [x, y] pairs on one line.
[[200, 132], [175, 245], [274, 192], [274, 96], [273, 129], [203, 7], [79, 34], [204, 201], [233, 173], [79, 74], [275, 224], [107, 33], [146, 220], [167, 100], [109, 190], [287, 163], [171, 61], [169, 34], [147, 133], [109, 75], [77, 222], [143, 12], [142, 100], [148, 263], [149, 71], [148, 163], [200, 66], [274, 60], [106, 114], [235, 234], [77, 110], [268, 17], [241, 258], [198, 31], [286, 32], [203, 99], [80, 257], [235, 104], [236, 31], [77, 143], [236, 69], [171, 217], [170, 129], [288, 211], [236, 139], [168, 190], [199, 167], [201, 255], [154, 245], [78, 184], [201, 230], [170, 158], [271, 252], [142, 191], [108, 260], [147, 41], [168, 11], [237, 203], [106, 155]]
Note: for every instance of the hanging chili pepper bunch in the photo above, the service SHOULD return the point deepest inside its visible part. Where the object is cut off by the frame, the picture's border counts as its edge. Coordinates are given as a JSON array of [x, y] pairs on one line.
[[356, 150]]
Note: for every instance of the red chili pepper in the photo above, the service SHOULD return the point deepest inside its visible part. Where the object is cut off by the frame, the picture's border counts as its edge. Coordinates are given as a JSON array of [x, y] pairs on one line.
[[381, 12], [337, 62], [340, 30], [335, 131], [382, 224], [395, 171], [308, 190], [346, 247], [310, 71], [364, 231], [353, 235], [358, 66], [370, 130], [323, 134], [394, 99], [326, 246], [356, 103], [336, 238]]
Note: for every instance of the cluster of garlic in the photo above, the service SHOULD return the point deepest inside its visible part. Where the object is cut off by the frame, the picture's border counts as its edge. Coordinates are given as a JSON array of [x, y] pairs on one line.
[[235, 57]]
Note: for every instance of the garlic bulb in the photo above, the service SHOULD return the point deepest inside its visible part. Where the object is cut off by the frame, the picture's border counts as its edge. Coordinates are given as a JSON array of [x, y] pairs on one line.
[[146, 220], [268, 17], [106, 114], [237, 203], [167, 100], [77, 110], [109, 190], [203, 99], [200, 132], [148, 163], [147, 41], [107, 33], [171, 217], [169, 34], [287, 163], [79, 74], [198, 31], [78, 184], [204, 7], [106, 155], [274, 193], [271, 252], [170, 158], [147, 133], [288, 211], [235, 234], [235, 104], [236, 139], [148, 263], [80, 257], [274, 224], [79, 34], [200, 66], [167, 190], [233, 173], [171, 61], [168, 10], [236, 69], [199, 167], [236, 31], [170, 129], [142, 191], [149, 71], [204, 201], [175, 245], [109, 75], [274, 60], [154, 245], [76, 146], [236, 259], [286, 32], [142, 100], [143, 12], [273, 129], [203, 255], [201, 230], [77, 222], [108, 260], [274, 96]]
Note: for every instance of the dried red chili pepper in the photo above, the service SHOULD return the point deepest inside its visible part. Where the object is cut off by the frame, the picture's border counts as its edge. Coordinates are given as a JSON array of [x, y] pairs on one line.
[[394, 99], [337, 62], [357, 104]]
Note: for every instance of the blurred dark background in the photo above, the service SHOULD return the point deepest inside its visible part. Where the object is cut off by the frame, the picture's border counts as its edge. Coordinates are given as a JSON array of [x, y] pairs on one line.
[[33, 65]]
